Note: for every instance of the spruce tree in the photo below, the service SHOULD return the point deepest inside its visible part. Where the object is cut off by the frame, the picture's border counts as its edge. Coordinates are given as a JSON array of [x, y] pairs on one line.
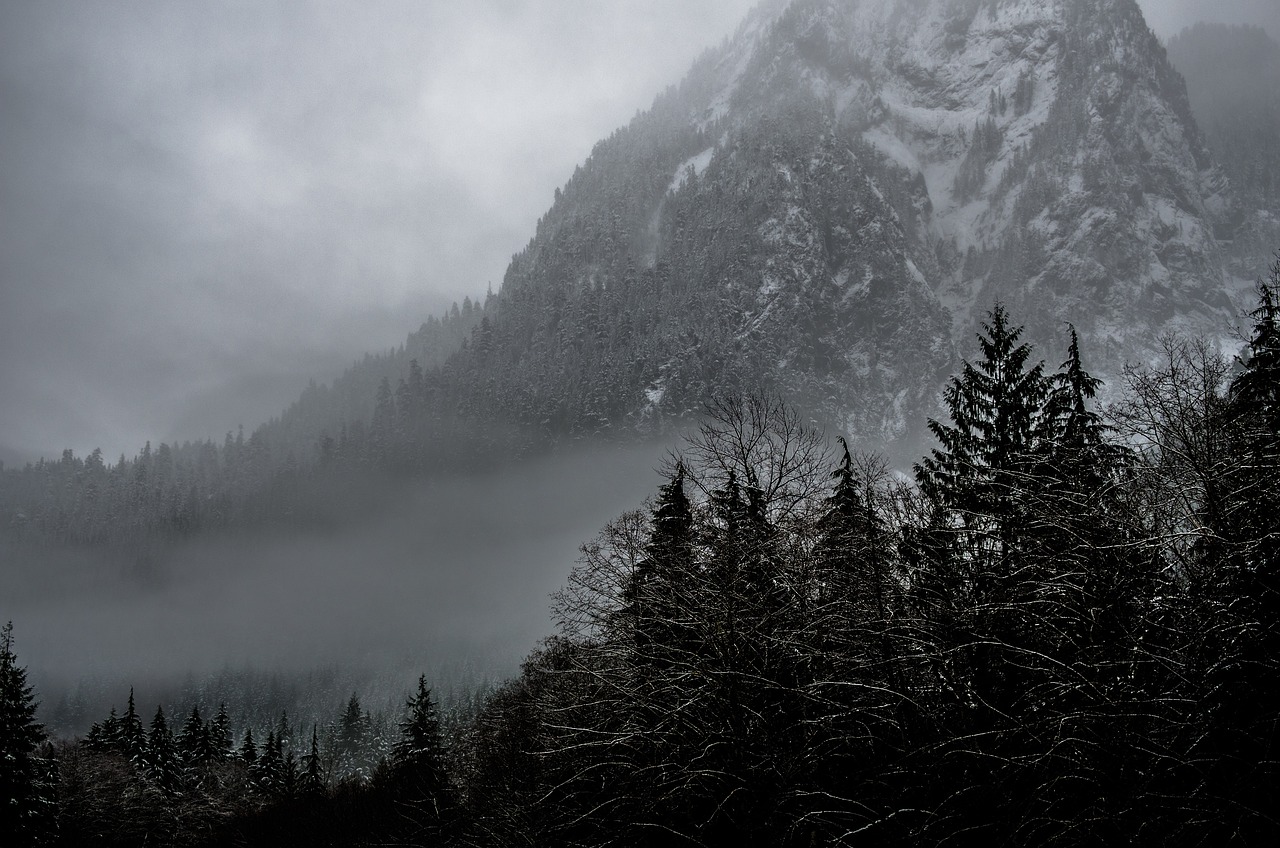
[[847, 546], [163, 767], [219, 730], [268, 772], [854, 576], [669, 547], [1086, 560], [248, 752], [132, 736], [352, 741], [195, 750], [1254, 403], [659, 587], [418, 759], [1248, 717], [976, 618], [976, 473], [104, 736], [979, 483], [20, 735], [1255, 392], [312, 780]]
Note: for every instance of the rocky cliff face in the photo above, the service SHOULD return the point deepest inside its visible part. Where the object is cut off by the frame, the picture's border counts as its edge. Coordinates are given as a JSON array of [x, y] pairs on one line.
[[848, 185], [1047, 151]]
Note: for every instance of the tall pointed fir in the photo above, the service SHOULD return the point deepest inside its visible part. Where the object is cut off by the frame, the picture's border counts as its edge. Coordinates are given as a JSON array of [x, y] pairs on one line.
[[352, 741], [980, 466], [1255, 409], [977, 482], [248, 752], [657, 596], [219, 730], [163, 767], [268, 772], [854, 672], [132, 737], [1256, 390], [855, 585], [21, 804], [1087, 565], [195, 749], [312, 781], [853, 568], [418, 759], [104, 736], [1249, 678], [969, 587]]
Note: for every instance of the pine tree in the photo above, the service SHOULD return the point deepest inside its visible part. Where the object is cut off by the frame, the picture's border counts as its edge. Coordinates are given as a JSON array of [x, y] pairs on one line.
[[352, 740], [195, 750], [220, 734], [1087, 563], [268, 772], [976, 473], [670, 542], [418, 759], [290, 776], [248, 752], [163, 767], [854, 567], [312, 780], [847, 531], [1069, 422], [133, 738], [1254, 403], [660, 585], [1256, 390], [975, 614], [1249, 679], [284, 731], [20, 734], [104, 736]]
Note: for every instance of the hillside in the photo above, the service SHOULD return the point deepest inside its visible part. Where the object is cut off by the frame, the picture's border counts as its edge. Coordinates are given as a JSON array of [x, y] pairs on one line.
[[821, 208]]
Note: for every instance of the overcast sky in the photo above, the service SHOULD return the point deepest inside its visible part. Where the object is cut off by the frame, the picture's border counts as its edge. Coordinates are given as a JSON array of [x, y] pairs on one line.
[[202, 205]]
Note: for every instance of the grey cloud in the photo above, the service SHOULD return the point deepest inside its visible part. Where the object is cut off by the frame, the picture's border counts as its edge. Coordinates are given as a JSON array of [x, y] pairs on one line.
[[1169, 17], [199, 199], [455, 567]]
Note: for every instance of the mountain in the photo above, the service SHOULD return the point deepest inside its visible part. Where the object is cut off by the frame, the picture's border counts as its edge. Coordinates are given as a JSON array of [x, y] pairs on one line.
[[842, 189], [826, 206]]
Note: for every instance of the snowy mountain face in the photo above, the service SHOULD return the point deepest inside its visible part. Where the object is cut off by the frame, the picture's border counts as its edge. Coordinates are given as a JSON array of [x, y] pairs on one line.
[[847, 186], [1048, 150]]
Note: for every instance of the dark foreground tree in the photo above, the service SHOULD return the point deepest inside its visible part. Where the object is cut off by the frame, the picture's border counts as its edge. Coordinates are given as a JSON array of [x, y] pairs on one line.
[[417, 778], [24, 803]]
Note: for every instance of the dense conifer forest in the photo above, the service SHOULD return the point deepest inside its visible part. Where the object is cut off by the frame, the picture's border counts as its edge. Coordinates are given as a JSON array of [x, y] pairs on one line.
[[1063, 630]]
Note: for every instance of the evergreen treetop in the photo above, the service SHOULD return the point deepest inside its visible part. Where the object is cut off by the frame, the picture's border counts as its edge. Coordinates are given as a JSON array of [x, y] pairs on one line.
[[20, 735]]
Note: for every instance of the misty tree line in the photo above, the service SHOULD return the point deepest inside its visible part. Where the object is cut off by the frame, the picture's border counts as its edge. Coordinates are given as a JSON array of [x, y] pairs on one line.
[[1064, 630], [171, 492], [360, 779]]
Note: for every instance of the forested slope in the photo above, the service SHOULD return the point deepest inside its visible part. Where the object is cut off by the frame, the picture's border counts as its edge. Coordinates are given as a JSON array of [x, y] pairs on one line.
[[1063, 631]]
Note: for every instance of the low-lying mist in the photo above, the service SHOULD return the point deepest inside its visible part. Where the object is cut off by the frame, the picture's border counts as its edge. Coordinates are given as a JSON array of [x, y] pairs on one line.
[[455, 572]]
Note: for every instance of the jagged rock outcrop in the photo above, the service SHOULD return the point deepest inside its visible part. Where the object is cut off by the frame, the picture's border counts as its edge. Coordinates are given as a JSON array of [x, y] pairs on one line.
[[834, 192]]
